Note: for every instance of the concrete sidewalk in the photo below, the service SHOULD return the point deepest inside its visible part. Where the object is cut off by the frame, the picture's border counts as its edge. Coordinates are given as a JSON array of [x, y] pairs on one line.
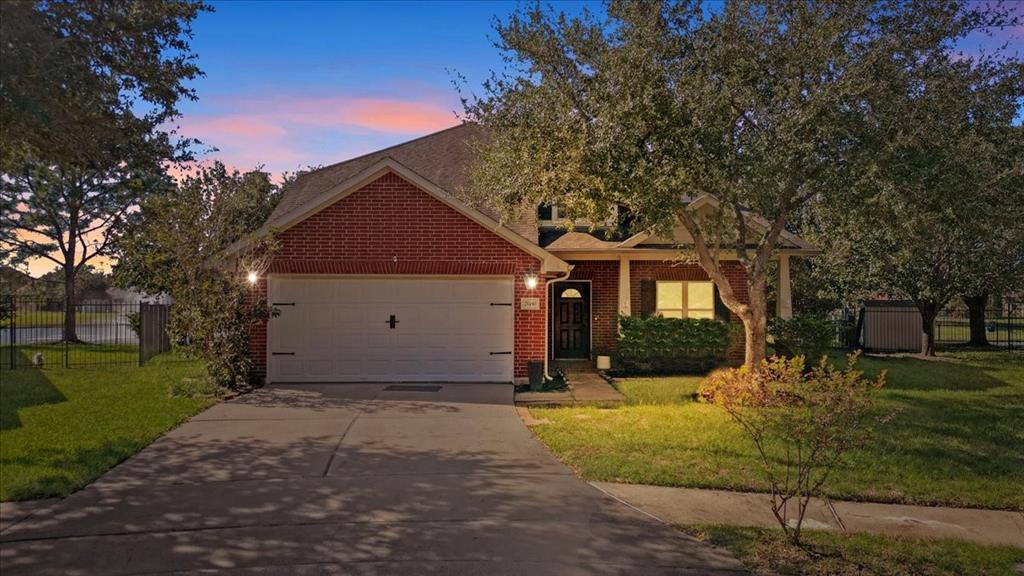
[[692, 506]]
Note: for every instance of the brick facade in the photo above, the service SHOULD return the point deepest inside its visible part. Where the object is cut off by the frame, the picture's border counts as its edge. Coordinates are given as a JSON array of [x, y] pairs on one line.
[[390, 226]]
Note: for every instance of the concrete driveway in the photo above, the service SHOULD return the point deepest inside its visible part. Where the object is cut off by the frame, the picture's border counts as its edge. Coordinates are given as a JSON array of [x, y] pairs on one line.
[[350, 479]]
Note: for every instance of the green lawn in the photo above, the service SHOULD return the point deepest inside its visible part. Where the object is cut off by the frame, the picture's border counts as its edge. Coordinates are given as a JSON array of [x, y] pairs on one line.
[[838, 554], [41, 318], [60, 428], [956, 438]]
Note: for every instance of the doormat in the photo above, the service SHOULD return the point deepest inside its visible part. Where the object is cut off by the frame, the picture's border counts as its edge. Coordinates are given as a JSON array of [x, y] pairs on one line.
[[399, 388]]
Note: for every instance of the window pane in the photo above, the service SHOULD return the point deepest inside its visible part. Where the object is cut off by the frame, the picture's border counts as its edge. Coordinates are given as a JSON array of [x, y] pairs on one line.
[[700, 296], [671, 313], [670, 295], [709, 314], [571, 293]]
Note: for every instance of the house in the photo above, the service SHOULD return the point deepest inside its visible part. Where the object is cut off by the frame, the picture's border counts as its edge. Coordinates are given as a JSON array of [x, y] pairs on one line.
[[384, 274]]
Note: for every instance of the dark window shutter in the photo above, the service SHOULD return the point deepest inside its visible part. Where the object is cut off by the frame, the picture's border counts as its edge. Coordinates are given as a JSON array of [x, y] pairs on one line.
[[648, 297], [721, 310]]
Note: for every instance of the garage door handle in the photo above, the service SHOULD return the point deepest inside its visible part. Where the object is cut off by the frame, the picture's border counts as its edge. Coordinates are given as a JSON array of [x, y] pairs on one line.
[[282, 353], [283, 304], [499, 353], [501, 303]]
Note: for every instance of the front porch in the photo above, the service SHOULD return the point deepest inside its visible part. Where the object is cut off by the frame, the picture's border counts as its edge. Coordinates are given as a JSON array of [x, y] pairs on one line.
[[584, 308]]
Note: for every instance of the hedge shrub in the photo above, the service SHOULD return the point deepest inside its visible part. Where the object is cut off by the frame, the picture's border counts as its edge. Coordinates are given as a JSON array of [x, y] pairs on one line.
[[672, 345], [805, 336]]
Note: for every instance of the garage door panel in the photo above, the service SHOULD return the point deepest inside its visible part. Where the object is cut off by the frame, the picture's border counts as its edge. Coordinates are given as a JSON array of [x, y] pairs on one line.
[[338, 329]]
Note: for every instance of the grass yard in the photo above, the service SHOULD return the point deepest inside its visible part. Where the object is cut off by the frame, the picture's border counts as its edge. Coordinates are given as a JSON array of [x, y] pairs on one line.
[[60, 428], [956, 439], [838, 554], [43, 318]]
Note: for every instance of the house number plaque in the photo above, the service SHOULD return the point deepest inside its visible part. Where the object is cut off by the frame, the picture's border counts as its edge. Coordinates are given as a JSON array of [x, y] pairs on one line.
[[529, 303]]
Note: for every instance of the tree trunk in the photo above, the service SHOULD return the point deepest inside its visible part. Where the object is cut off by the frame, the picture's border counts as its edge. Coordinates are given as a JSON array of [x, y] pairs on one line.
[[976, 310], [755, 325], [929, 310], [70, 331]]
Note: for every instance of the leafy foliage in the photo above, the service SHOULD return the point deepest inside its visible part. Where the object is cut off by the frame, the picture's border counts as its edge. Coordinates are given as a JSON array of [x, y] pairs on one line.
[[801, 421], [135, 323], [87, 92], [672, 345], [765, 105], [944, 212], [175, 245], [79, 77], [805, 336]]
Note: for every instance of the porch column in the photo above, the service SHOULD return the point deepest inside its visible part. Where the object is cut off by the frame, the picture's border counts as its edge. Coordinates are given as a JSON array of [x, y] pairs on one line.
[[624, 306], [784, 305]]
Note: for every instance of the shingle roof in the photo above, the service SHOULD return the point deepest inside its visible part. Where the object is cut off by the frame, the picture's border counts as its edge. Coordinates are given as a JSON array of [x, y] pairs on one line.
[[445, 158]]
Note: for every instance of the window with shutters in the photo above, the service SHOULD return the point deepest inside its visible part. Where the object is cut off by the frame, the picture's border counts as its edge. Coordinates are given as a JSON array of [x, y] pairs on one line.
[[685, 299]]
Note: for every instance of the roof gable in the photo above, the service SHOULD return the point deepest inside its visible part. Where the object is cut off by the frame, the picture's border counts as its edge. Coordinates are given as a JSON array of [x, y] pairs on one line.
[[443, 158], [300, 212]]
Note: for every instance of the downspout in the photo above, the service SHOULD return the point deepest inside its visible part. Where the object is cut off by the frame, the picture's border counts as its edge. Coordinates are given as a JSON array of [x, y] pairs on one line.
[[547, 316]]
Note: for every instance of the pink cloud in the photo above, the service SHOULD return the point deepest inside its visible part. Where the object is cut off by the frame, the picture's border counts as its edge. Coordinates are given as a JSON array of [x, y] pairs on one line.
[[286, 132], [234, 125], [377, 114]]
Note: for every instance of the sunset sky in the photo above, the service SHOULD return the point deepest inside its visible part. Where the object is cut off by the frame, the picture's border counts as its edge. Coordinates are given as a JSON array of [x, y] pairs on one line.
[[294, 84]]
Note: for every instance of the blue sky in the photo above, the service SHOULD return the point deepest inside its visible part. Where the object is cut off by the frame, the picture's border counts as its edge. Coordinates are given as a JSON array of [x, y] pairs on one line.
[[293, 84]]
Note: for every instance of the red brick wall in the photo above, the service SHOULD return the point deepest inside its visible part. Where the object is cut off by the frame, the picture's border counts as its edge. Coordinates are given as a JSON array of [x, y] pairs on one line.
[[392, 227], [604, 302], [640, 270]]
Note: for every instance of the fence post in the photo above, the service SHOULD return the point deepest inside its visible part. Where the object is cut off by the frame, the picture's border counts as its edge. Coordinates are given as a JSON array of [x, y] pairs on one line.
[[13, 338], [142, 322], [63, 322]]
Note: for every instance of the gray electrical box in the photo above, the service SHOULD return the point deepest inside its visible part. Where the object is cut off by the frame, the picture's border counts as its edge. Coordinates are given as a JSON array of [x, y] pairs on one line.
[[536, 370]]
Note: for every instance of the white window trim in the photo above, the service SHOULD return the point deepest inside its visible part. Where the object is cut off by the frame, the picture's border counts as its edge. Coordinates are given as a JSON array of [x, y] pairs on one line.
[[685, 310], [558, 220]]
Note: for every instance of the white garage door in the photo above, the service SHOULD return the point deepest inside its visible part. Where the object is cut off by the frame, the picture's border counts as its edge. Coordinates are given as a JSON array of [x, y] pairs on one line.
[[341, 329]]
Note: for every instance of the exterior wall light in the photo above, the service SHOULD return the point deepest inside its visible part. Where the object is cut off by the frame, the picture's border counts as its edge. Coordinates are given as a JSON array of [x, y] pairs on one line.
[[252, 277], [530, 279]]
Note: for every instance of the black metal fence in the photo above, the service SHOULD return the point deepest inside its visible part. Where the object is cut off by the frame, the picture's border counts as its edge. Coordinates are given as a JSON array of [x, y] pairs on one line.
[[36, 331], [896, 326]]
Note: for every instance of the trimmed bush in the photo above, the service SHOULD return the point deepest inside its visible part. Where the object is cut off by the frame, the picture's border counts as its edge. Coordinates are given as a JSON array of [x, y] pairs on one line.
[[805, 336], [672, 345]]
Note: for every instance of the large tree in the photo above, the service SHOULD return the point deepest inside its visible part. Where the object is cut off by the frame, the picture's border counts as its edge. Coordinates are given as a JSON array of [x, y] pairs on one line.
[[996, 266], [86, 94], [761, 105], [944, 214]]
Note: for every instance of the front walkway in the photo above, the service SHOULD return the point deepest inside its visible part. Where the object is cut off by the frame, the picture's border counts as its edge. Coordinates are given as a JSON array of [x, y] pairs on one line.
[[586, 387], [352, 479], [693, 506]]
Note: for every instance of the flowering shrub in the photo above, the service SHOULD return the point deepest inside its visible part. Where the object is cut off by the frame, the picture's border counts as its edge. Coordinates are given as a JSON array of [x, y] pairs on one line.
[[801, 421]]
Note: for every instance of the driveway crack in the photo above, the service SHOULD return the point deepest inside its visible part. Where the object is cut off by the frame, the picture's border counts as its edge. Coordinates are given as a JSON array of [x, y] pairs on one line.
[[362, 410]]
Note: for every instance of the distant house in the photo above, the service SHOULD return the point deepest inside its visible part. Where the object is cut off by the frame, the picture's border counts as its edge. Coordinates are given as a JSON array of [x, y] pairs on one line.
[[384, 274], [130, 296]]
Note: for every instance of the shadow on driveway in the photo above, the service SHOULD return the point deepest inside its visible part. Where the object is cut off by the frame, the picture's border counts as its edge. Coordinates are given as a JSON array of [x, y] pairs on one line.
[[350, 479]]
